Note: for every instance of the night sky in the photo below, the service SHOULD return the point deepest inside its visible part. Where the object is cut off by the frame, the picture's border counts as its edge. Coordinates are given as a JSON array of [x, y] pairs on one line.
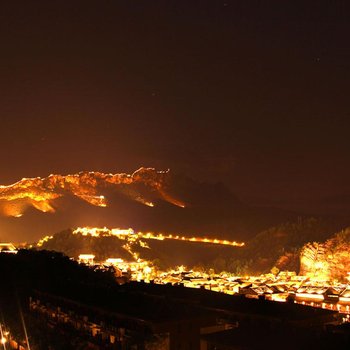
[[254, 95]]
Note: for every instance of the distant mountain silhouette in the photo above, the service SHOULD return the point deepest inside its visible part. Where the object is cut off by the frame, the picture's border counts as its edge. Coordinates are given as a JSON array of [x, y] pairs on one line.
[[337, 205]]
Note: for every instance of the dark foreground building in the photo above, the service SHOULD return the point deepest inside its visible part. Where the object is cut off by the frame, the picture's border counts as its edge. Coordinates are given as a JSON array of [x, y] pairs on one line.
[[53, 303], [142, 316]]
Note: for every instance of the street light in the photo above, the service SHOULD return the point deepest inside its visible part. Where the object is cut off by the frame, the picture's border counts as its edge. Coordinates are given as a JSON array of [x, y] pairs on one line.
[[3, 339]]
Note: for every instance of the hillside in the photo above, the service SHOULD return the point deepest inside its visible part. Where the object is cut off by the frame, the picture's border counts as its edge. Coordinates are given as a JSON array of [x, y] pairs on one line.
[[276, 247], [327, 260]]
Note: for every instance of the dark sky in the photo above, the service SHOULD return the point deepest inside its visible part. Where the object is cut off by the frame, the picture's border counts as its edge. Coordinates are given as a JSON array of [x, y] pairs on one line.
[[255, 94]]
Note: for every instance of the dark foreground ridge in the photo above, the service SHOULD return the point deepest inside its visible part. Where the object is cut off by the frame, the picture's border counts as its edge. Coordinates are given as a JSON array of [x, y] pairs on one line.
[[70, 306]]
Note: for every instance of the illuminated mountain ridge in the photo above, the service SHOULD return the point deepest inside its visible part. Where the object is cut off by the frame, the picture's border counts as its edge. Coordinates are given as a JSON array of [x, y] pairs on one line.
[[41, 193]]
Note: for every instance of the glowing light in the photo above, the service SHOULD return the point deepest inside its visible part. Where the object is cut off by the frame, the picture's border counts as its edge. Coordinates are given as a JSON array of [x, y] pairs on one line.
[[114, 261], [147, 270], [43, 240], [87, 258], [104, 231], [310, 296], [8, 248]]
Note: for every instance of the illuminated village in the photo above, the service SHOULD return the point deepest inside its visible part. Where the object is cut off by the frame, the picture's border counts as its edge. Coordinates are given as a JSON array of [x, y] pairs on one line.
[[283, 286]]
